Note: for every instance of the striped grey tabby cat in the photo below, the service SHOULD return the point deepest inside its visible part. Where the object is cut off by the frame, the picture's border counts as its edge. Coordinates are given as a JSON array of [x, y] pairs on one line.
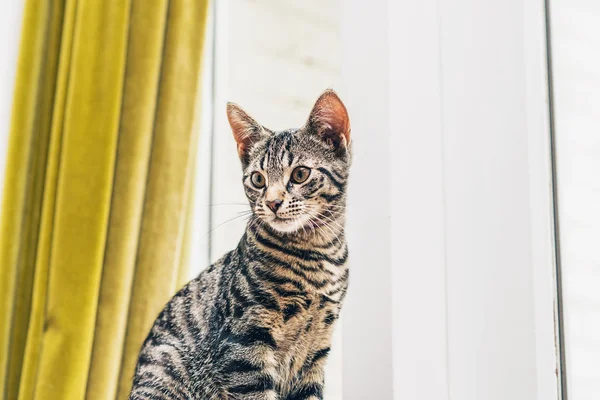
[[257, 324]]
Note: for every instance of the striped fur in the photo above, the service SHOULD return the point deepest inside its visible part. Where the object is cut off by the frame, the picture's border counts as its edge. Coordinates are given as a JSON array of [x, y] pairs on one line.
[[257, 324]]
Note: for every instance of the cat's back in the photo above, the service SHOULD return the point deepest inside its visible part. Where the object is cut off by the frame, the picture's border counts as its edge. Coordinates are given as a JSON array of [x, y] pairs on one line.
[[180, 335], [186, 315]]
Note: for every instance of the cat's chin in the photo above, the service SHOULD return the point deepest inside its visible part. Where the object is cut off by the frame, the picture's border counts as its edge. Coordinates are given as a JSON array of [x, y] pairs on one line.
[[283, 225]]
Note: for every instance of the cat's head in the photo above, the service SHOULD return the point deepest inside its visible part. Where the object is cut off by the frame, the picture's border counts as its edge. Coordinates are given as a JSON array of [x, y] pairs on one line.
[[296, 179]]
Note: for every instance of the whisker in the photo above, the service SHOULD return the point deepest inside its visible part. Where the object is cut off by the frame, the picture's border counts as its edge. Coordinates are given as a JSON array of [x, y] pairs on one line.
[[246, 213], [211, 243], [341, 207], [331, 212], [332, 221], [224, 204], [325, 224]]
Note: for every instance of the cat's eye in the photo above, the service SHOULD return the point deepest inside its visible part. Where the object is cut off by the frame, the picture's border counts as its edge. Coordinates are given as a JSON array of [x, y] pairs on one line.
[[300, 174], [258, 180]]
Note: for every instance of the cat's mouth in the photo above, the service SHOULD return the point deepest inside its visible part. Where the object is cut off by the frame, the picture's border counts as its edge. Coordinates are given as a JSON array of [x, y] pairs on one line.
[[279, 220]]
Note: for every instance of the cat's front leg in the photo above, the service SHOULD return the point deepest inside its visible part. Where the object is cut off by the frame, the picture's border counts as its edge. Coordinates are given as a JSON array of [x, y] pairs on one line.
[[308, 385], [259, 385], [250, 372]]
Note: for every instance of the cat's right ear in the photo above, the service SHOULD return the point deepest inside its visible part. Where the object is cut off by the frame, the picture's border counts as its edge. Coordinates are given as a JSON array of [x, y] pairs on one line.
[[246, 131]]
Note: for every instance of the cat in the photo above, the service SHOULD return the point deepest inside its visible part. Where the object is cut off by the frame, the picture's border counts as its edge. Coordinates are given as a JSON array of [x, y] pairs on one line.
[[257, 324]]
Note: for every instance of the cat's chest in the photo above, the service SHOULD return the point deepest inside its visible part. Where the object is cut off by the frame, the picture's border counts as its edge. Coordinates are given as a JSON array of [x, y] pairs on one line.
[[307, 326], [307, 316]]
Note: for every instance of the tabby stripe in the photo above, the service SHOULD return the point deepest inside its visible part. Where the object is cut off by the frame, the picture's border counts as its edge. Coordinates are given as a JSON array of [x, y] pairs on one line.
[[331, 197], [343, 277], [319, 355], [310, 362], [269, 234], [262, 384], [265, 299], [157, 338], [240, 366], [167, 331], [168, 328], [238, 296], [151, 340], [325, 300], [329, 318], [327, 271], [341, 260], [308, 325], [264, 256], [272, 277], [145, 394], [314, 187], [288, 293], [164, 361], [148, 393], [282, 153], [165, 370], [144, 360], [305, 255], [238, 311], [340, 176], [252, 336], [288, 144], [191, 325], [335, 182], [262, 162], [335, 291], [149, 380], [344, 293], [334, 244], [227, 306], [304, 392], [287, 248], [223, 283], [290, 310], [261, 296]]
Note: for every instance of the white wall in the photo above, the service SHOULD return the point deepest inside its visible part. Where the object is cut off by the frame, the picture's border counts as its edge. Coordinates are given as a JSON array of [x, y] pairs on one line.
[[451, 218], [11, 13], [576, 72]]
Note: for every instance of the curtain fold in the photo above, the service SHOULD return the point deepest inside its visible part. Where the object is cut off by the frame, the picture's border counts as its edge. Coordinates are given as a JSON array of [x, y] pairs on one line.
[[97, 190]]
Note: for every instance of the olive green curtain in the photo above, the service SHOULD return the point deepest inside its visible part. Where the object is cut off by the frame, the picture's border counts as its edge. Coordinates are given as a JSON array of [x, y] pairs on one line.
[[97, 190]]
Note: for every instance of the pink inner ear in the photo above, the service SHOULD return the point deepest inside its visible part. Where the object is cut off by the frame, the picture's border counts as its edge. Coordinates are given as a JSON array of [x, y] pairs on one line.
[[331, 119], [245, 129], [242, 130]]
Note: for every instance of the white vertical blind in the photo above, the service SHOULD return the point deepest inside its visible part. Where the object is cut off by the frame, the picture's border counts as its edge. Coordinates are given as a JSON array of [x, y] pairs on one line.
[[451, 202], [576, 81], [418, 202], [367, 323]]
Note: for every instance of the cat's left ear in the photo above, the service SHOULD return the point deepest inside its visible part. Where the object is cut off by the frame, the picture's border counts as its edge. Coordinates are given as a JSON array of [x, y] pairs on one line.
[[329, 119]]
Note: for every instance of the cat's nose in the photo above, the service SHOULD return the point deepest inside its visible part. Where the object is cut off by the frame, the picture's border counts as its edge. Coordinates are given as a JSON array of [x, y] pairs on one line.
[[274, 205]]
